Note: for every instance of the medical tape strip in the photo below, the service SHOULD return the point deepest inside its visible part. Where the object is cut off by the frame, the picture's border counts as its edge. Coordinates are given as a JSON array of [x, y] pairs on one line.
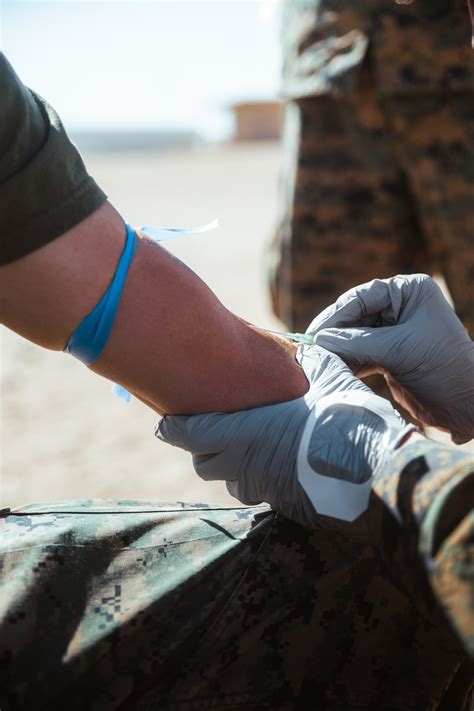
[[159, 234], [89, 339], [339, 498]]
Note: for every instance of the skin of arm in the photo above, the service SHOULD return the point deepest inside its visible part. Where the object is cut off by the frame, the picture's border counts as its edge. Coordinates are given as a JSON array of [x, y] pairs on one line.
[[173, 344]]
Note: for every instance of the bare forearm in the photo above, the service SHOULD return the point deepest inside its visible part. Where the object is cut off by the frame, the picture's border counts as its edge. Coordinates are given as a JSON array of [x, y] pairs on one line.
[[173, 343]]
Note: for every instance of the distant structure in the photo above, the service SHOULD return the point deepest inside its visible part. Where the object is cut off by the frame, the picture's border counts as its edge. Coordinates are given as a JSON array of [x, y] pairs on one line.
[[257, 120], [134, 140]]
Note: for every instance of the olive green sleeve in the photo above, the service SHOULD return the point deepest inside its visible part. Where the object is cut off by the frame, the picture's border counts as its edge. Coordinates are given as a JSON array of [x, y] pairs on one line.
[[44, 187]]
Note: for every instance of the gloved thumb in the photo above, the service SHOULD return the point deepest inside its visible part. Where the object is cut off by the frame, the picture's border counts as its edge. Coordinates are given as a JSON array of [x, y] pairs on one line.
[[206, 437], [363, 348]]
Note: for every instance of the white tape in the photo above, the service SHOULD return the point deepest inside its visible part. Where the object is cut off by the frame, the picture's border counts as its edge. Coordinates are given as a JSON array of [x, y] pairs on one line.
[[339, 498], [160, 234]]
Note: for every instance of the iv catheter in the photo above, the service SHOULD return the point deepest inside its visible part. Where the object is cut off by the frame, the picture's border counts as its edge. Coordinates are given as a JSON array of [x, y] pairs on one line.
[[302, 338]]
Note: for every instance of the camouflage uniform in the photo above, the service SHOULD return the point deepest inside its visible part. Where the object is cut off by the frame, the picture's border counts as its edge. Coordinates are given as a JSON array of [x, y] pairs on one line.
[[378, 174], [137, 605]]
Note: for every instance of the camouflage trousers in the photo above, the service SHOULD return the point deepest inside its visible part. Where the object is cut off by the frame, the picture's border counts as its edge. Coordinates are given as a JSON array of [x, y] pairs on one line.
[[137, 605], [371, 187]]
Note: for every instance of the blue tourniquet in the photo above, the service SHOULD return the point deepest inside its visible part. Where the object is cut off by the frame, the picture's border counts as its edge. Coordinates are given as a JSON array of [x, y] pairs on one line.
[[89, 339]]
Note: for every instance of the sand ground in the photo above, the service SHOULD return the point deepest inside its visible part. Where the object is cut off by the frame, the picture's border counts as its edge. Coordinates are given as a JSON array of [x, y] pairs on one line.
[[64, 434]]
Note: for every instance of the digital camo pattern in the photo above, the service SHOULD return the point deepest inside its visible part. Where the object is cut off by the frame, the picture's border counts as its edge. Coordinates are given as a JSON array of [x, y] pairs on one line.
[[430, 510], [137, 605], [378, 166], [452, 579], [447, 547]]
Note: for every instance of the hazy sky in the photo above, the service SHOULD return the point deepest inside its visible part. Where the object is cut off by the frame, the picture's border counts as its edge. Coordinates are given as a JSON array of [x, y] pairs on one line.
[[145, 64]]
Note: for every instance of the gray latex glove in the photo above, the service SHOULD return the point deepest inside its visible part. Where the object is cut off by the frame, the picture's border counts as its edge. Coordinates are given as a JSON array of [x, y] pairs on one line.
[[405, 328], [313, 454]]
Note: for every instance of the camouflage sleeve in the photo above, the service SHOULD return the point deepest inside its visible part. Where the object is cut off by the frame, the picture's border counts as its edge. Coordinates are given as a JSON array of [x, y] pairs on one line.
[[324, 43], [422, 514], [417, 47]]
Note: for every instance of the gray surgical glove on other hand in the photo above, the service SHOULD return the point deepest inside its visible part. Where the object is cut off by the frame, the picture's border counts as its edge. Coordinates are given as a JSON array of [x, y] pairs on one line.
[[405, 328], [315, 454]]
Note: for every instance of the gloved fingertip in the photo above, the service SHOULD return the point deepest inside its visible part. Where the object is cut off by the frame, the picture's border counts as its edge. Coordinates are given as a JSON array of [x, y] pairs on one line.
[[158, 429], [232, 488], [335, 340], [162, 431], [327, 335], [168, 430]]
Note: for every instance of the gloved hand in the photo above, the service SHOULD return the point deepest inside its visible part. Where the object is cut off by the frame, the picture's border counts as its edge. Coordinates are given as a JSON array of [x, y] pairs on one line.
[[315, 454], [405, 328]]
